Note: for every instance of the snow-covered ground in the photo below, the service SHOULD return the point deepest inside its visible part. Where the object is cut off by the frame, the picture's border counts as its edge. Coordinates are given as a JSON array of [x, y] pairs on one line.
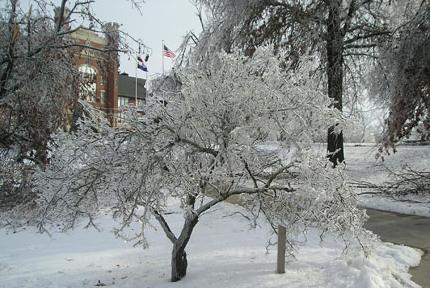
[[223, 252], [361, 165]]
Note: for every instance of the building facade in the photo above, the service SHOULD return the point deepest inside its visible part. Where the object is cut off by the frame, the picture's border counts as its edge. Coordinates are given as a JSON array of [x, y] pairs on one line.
[[98, 63], [101, 84], [131, 92]]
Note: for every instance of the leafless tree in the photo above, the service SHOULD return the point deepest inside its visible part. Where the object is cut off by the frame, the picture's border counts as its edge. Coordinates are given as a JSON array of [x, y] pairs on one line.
[[339, 33], [402, 81], [202, 144], [39, 82]]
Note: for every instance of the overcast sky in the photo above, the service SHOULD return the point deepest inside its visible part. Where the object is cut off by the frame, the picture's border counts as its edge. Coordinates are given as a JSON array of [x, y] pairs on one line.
[[167, 20]]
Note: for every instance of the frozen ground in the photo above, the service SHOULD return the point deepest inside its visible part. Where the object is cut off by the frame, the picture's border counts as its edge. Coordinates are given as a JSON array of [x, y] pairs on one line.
[[362, 165], [223, 253]]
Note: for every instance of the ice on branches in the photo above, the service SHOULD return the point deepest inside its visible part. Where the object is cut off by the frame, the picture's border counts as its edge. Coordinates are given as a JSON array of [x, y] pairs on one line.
[[210, 138]]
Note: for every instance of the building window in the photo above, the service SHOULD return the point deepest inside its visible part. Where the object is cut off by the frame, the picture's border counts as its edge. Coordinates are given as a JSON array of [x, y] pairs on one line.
[[103, 97], [140, 104], [122, 102], [88, 84]]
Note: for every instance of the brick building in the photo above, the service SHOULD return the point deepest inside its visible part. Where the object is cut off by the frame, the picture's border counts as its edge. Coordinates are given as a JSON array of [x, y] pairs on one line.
[[101, 83]]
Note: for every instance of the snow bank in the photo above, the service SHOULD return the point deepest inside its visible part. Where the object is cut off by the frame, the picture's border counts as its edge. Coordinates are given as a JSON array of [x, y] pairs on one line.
[[223, 252], [387, 267], [413, 207]]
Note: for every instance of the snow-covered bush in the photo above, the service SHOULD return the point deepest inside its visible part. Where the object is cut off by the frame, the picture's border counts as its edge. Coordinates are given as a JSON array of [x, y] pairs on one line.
[[202, 145]]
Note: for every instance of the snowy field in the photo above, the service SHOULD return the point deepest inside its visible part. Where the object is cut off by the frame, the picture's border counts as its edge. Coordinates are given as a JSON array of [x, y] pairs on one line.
[[223, 252], [361, 165]]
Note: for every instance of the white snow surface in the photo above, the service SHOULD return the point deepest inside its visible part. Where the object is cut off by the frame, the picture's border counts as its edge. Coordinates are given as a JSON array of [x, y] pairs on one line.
[[362, 165], [223, 252]]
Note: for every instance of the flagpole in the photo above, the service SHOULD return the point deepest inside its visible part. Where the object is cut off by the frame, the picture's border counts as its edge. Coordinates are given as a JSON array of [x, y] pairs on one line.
[[162, 55], [145, 86], [135, 95]]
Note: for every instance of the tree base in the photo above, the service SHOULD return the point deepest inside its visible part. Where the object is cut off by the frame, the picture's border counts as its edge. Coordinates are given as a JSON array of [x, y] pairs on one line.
[[335, 146], [179, 265]]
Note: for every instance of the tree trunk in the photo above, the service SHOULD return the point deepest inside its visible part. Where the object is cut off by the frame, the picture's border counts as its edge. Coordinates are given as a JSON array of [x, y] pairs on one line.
[[179, 263], [335, 77], [335, 145], [179, 256]]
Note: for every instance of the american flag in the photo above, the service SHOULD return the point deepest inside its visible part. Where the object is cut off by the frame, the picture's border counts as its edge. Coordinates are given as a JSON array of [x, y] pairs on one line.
[[167, 52]]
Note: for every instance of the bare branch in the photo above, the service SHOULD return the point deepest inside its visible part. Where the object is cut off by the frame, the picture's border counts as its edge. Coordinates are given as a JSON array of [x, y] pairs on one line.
[[165, 226]]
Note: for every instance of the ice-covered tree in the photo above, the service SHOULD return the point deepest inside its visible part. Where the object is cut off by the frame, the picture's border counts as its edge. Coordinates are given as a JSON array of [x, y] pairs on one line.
[[402, 81], [339, 33], [202, 145], [37, 72], [39, 82], [36, 80]]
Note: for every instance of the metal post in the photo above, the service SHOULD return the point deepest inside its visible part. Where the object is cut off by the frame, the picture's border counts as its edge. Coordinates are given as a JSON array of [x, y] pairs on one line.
[[135, 95], [282, 241], [135, 80], [144, 89], [162, 55]]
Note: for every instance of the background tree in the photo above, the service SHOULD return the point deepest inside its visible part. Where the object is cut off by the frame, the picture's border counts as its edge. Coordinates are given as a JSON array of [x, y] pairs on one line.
[[403, 78], [201, 146], [336, 32], [39, 83], [401, 81]]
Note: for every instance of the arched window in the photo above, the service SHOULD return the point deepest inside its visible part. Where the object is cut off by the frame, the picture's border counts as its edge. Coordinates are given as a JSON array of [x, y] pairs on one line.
[[88, 85]]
